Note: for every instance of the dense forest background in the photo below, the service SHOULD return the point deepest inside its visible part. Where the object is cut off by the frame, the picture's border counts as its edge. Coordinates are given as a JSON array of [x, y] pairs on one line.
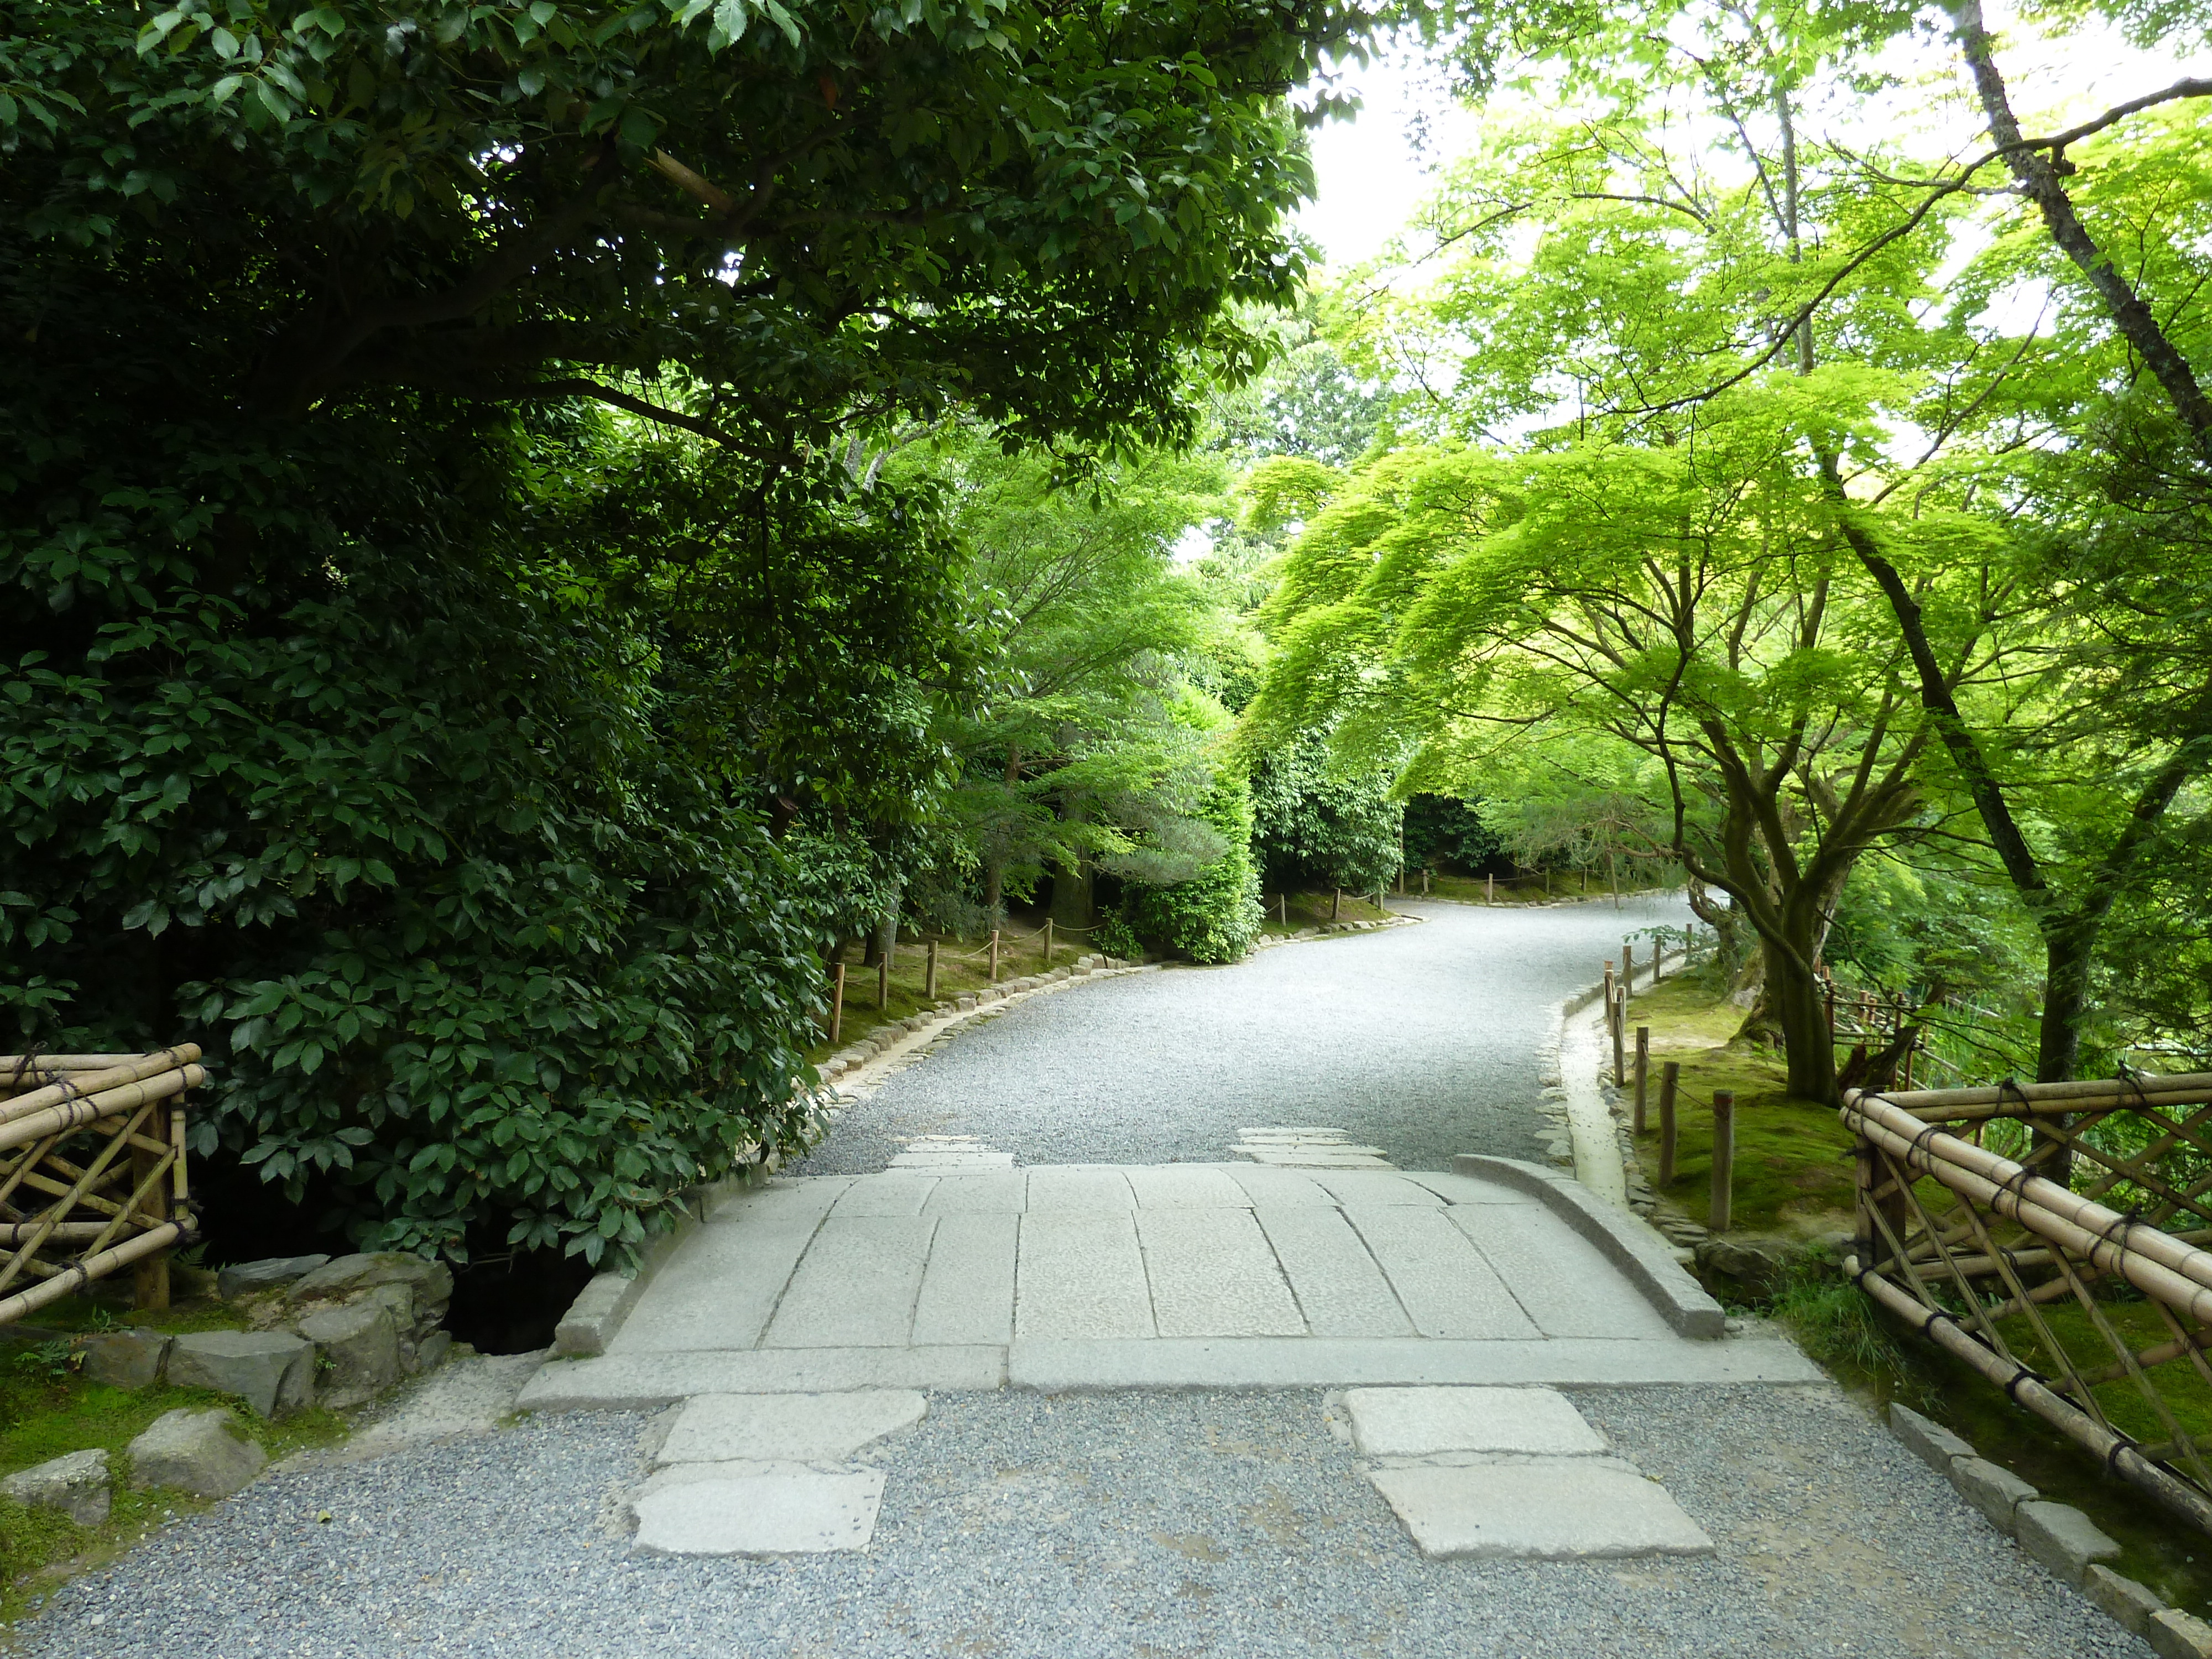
[[534, 527]]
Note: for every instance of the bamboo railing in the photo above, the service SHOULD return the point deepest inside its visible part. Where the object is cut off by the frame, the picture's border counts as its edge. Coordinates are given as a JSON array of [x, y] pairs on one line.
[[2048, 1235], [92, 1172]]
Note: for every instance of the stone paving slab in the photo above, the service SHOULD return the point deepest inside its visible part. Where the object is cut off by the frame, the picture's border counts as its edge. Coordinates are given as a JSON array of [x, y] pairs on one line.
[[800, 1428], [748, 1510], [1061, 1366], [979, 1258], [642, 1382], [1420, 1422], [1538, 1509]]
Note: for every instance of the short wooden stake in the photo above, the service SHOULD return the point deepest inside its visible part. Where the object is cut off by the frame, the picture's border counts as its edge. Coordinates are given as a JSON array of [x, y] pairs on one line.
[[1619, 1036], [1643, 1071], [929, 975], [1628, 964], [1048, 941], [1283, 904], [1490, 889], [837, 1002], [883, 980], [1670, 1075], [1425, 884], [1723, 1159], [994, 956], [1336, 905]]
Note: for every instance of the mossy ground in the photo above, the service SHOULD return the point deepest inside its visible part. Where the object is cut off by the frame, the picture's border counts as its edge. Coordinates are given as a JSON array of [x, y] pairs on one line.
[[47, 1408], [1793, 1156]]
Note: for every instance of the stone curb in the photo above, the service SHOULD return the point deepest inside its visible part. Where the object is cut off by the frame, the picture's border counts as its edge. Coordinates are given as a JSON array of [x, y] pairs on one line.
[[1626, 1242], [2064, 1541]]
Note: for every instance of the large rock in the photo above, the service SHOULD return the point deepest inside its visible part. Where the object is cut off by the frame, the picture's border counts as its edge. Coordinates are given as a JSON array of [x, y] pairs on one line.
[[125, 1359], [76, 1484], [1745, 1268], [272, 1372], [205, 1453], [360, 1345], [429, 1284], [272, 1272]]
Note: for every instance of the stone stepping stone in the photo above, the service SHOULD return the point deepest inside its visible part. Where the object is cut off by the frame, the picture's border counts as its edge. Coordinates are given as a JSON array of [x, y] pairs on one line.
[[758, 1509], [1511, 1474], [1424, 1422], [1295, 1146], [794, 1428], [1537, 1508]]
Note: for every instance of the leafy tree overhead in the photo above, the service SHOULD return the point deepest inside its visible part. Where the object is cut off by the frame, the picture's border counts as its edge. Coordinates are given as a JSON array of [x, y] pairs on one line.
[[436, 582]]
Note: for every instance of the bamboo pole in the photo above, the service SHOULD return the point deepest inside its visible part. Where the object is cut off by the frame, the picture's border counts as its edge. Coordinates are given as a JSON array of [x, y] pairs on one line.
[[58, 1120], [2117, 1453], [134, 1068], [1643, 1071], [929, 975], [149, 1288], [1723, 1198], [837, 1002], [1670, 1078], [2155, 1262], [2176, 1089], [78, 1274]]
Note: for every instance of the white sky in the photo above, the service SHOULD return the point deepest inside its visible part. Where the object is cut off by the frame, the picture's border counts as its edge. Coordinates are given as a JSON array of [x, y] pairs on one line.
[[1371, 176]]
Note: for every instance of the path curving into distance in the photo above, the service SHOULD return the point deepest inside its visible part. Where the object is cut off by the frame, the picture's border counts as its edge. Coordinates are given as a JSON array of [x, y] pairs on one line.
[[1424, 1041]]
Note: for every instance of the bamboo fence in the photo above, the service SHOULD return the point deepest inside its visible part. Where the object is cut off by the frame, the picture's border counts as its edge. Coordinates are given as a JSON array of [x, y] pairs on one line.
[[92, 1174], [2048, 1235]]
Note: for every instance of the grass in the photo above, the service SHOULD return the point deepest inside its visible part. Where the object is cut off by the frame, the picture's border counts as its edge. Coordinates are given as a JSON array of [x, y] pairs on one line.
[[1793, 1156], [1314, 911], [47, 1409]]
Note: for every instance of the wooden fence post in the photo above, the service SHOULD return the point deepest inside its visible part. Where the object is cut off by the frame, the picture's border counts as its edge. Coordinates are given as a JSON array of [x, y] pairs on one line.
[[1723, 1160], [1336, 905], [1643, 1071], [929, 975], [1670, 1075], [1047, 942], [150, 1275], [837, 1003], [1490, 889], [883, 981], [994, 956], [1628, 964], [1425, 884], [1619, 1035], [1283, 904]]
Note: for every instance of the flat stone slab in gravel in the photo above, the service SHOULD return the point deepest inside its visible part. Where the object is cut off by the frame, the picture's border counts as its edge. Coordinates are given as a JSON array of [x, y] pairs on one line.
[[760, 1510], [1416, 1422], [800, 1428], [1538, 1509]]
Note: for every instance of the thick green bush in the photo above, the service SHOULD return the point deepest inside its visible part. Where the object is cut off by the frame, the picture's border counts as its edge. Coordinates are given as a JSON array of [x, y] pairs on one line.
[[1216, 915]]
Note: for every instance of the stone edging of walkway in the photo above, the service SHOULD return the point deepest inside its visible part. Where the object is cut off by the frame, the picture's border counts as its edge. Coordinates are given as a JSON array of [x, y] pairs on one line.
[[1623, 1239], [2064, 1541]]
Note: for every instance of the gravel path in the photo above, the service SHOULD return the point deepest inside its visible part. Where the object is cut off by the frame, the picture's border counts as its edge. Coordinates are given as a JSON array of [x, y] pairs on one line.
[[1422, 1041], [1094, 1525], [1136, 1525]]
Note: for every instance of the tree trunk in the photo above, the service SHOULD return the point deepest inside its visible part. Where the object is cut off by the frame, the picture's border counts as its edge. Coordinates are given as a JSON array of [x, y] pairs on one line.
[[1073, 894]]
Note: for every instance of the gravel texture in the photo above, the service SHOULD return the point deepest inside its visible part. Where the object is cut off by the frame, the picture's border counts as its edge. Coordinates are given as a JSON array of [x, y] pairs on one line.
[[1092, 1525], [1422, 1041]]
